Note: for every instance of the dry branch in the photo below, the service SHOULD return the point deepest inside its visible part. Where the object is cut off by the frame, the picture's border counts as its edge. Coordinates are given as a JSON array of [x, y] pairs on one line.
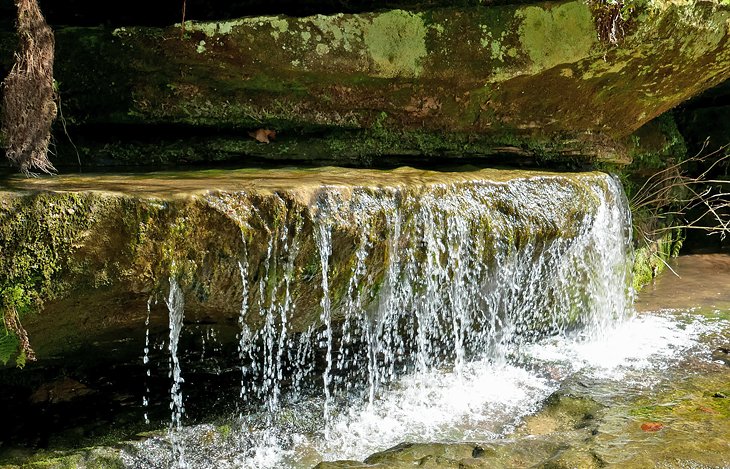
[[696, 202]]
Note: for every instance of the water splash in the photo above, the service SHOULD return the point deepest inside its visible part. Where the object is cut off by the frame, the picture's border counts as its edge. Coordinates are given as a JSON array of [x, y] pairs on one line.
[[244, 337], [485, 401], [324, 244]]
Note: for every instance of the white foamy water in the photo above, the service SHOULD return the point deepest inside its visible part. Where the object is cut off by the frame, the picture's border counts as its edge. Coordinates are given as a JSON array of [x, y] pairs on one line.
[[481, 401], [647, 341], [485, 401]]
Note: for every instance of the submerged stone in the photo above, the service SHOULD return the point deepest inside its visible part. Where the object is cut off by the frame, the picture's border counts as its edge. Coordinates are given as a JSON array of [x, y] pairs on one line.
[[680, 424]]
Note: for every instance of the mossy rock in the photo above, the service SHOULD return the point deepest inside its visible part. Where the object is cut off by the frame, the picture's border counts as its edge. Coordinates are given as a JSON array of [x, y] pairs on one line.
[[92, 458], [562, 413], [92, 250], [536, 79]]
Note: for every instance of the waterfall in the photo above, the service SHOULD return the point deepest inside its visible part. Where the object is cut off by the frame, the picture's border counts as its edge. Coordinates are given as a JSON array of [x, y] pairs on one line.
[[146, 358], [464, 281], [442, 276], [412, 281], [324, 244]]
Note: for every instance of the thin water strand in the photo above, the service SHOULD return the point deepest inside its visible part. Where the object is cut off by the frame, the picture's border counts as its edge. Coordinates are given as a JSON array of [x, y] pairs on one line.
[[176, 308]]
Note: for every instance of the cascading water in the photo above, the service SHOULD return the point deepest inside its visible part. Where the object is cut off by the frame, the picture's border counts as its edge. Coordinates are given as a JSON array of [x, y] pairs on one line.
[[175, 306], [421, 293]]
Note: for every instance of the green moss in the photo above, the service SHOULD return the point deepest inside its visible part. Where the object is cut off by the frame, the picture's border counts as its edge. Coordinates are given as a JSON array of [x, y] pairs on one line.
[[224, 431], [651, 258], [9, 347], [653, 412], [210, 29], [338, 32], [564, 33], [657, 145], [396, 42], [88, 458], [324, 74], [37, 236], [689, 401]]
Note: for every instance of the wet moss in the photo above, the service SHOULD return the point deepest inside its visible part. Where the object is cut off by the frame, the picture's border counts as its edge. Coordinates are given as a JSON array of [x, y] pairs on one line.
[[652, 258], [89, 458], [694, 400], [656, 145]]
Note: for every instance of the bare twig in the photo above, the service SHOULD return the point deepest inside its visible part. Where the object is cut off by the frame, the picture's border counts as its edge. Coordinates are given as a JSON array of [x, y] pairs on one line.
[[182, 23], [65, 129], [695, 202]]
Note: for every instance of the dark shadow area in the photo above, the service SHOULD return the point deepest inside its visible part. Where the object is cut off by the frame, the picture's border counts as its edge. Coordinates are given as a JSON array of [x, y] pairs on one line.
[[704, 121], [97, 393], [168, 12], [142, 148]]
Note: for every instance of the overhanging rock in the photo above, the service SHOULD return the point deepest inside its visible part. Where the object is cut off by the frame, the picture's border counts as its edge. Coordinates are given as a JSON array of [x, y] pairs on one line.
[[513, 79]]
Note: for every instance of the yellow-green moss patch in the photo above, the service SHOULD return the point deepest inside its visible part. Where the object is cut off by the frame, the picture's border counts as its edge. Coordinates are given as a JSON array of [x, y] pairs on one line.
[[396, 42], [563, 34]]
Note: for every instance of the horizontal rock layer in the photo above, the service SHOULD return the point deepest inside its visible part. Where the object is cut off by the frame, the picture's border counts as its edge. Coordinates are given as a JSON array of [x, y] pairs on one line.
[[95, 249], [539, 79]]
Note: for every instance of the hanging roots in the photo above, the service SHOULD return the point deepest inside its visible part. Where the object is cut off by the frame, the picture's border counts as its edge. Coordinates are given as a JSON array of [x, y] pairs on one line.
[[29, 105], [12, 323]]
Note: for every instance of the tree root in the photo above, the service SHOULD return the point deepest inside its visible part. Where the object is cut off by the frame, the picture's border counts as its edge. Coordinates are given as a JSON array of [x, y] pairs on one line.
[[29, 104]]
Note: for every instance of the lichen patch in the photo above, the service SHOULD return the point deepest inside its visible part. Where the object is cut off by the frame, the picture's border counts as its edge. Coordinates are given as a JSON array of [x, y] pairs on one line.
[[396, 42], [559, 35]]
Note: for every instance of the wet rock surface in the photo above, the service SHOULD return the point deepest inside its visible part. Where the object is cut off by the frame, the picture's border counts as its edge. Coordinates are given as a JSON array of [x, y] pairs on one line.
[[103, 252], [95, 249]]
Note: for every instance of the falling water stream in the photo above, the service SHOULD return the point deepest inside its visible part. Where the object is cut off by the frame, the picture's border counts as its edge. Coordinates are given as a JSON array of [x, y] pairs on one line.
[[445, 313], [175, 306], [423, 331]]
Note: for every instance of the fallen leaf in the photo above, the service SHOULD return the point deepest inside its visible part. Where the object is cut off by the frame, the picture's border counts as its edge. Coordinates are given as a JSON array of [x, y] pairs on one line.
[[431, 103], [651, 426], [421, 107], [263, 135], [707, 410]]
